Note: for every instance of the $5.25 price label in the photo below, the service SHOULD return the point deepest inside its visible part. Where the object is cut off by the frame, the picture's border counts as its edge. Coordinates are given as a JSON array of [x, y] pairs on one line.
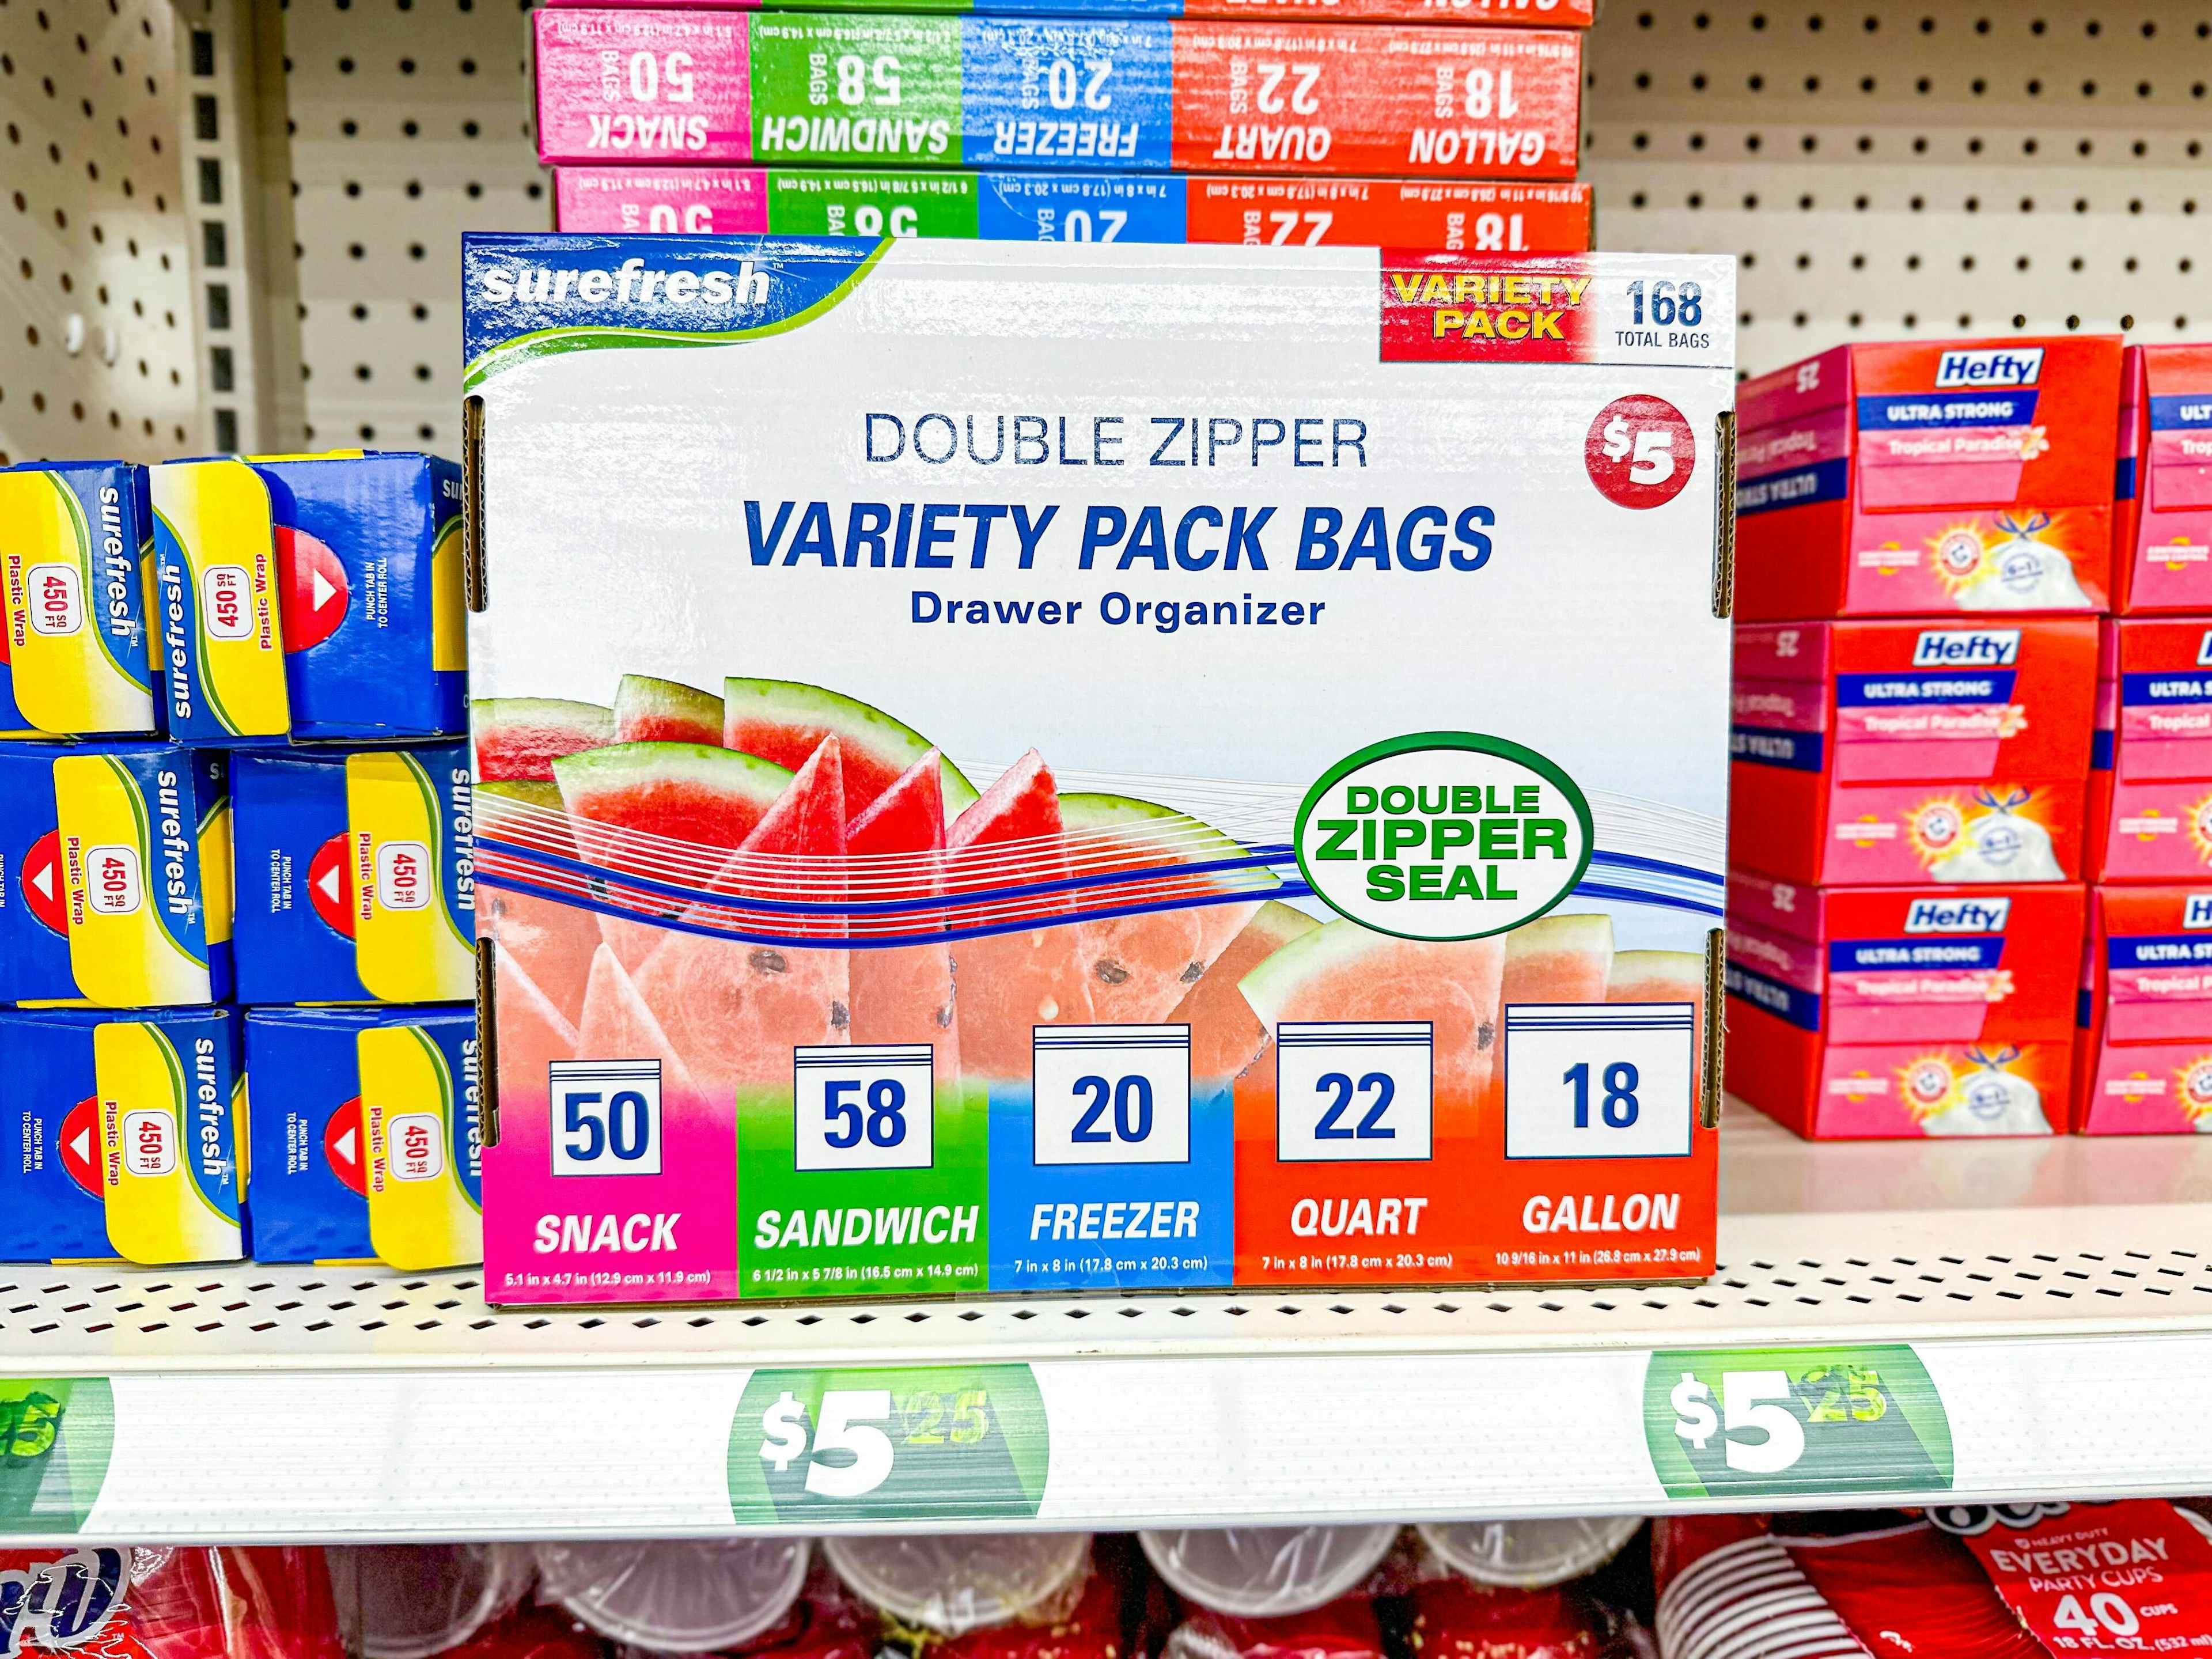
[[932, 1442], [1783, 1422], [55, 1436]]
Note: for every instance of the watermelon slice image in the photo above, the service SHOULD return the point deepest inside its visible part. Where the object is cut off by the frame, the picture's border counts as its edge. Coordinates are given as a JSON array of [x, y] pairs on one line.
[[1140, 966], [1557, 958], [1225, 1034], [520, 738], [670, 811], [895, 850], [784, 722], [1661, 976], [617, 1025], [1342, 971], [647, 710], [532, 1032], [734, 1010], [1010, 983]]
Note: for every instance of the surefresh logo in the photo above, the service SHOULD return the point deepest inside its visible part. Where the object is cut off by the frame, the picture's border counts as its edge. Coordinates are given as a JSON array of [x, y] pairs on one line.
[[2001, 366], [1987, 647], [1958, 915], [632, 282]]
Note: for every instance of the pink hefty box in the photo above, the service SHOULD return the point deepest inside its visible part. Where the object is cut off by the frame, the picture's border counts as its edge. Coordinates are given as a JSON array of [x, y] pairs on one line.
[[1900, 752], [2150, 796], [1904, 479], [1075, 94], [1904, 1011], [2162, 523], [2144, 1051]]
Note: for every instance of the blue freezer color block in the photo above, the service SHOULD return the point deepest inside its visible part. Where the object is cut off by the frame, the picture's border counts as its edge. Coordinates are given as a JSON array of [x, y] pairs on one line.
[[287, 809], [1048, 207], [1123, 109], [308, 1152], [51, 1204], [1204, 1255]]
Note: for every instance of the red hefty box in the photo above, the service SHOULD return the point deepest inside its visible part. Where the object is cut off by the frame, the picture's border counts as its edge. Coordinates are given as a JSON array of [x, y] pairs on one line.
[[1899, 752], [2144, 1052], [1903, 1011], [2162, 517], [2150, 797], [1903, 479]]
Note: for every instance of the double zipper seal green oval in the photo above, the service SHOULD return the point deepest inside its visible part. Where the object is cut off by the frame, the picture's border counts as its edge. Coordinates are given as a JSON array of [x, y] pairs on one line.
[[1443, 835]]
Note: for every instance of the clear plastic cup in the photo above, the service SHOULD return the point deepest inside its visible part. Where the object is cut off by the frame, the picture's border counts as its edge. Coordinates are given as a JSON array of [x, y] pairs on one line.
[[1530, 1554], [954, 1583], [1263, 1572], [685, 1596], [416, 1600]]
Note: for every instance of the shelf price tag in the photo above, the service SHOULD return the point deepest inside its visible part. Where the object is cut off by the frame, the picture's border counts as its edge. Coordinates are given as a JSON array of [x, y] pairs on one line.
[[55, 1436], [1791, 1422], [930, 1442]]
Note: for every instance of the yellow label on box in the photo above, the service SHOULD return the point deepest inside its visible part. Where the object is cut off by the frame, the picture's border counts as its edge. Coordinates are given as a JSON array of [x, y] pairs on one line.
[[422, 1160], [54, 586], [215, 872], [449, 620], [125, 869], [167, 1142], [218, 514], [410, 876]]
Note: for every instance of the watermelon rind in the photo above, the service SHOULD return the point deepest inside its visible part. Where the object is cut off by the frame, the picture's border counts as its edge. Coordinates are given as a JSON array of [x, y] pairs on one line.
[[531, 792], [1333, 944], [1580, 934], [567, 729], [641, 699], [1683, 968], [722, 773], [1194, 841], [858, 725]]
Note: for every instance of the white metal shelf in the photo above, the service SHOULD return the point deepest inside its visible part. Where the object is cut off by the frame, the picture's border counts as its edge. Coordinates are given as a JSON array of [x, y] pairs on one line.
[[2058, 1293]]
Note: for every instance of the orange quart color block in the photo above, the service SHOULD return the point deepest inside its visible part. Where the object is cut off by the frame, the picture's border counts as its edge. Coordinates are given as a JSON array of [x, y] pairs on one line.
[[1480, 1193], [1910, 479]]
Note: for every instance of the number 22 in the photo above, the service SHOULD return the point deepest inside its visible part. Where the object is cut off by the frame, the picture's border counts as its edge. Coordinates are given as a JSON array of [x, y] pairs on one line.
[[1370, 1126]]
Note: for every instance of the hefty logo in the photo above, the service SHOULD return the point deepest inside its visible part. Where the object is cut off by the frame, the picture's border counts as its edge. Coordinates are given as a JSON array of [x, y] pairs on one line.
[[54, 1606], [2004, 366], [1978, 647], [2197, 911], [2204, 649], [1930, 915]]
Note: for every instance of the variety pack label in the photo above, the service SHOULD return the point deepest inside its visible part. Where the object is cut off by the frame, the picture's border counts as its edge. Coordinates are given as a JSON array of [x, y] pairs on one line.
[[1904, 1011], [2151, 818], [1907, 479], [357, 876], [1223, 919], [1541, 14], [114, 874], [74, 541], [1087, 94], [124, 1137], [1883, 752], [2145, 1053], [1073, 207], [316, 598], [368, 1140], [2162, 546]]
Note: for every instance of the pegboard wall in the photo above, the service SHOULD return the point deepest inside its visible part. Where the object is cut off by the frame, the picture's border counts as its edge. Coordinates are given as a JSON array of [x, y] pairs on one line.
[[1886, 170], [97, 331], [410, 123]]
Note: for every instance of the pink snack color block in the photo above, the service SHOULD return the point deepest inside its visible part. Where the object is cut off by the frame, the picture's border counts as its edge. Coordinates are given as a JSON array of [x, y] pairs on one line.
[[643, 87]]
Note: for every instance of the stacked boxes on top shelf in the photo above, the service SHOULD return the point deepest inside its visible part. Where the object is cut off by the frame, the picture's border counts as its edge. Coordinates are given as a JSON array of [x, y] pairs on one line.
[[199, 655], [1395, 122], [1924, 549]]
